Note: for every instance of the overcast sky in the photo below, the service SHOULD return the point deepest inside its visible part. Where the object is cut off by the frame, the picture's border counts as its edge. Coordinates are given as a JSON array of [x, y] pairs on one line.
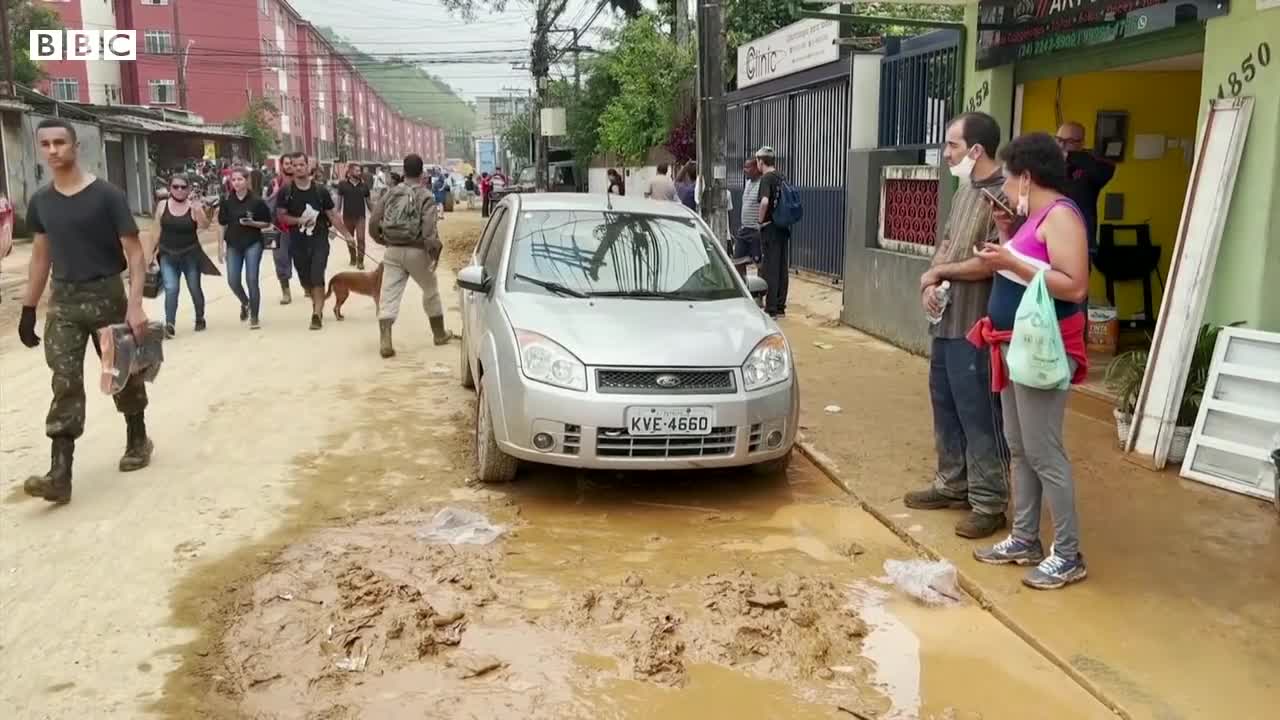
[[382, 27]]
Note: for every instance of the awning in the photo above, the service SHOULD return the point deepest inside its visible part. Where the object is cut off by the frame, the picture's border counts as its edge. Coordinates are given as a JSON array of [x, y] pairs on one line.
[[149, 125]]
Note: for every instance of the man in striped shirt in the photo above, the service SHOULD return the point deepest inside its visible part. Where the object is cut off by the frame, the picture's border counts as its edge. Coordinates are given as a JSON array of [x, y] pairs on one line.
[[973, 456], [746, 246]]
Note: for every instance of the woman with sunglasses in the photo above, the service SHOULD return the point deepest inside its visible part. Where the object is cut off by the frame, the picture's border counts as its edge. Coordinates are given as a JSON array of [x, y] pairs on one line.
[[243, 216], [179, 219]]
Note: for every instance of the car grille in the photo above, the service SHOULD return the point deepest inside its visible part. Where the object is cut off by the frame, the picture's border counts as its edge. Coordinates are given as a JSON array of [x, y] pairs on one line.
[[754, 440], [572, 442], [617, 442], [674, 382]]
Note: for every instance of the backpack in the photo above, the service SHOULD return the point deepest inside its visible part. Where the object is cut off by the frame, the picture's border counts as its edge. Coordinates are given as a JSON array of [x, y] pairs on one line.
[[790, 209], [402, 216]]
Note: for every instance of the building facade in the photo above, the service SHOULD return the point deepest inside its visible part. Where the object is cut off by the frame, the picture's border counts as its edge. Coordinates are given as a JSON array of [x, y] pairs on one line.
[[232, 52]]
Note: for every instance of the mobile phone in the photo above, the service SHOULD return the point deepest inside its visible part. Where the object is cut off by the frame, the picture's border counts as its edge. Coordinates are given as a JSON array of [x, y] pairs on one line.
[[997, 202]]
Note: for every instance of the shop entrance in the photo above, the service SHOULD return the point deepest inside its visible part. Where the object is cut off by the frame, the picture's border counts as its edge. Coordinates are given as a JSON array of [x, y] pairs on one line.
[[1139, 120]]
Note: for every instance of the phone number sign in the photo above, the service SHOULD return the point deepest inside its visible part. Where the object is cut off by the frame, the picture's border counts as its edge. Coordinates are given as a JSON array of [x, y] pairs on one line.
[[1013, 30]]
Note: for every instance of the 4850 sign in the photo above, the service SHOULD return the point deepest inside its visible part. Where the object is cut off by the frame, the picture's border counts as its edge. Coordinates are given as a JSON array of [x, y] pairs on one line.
[[1249, 68]]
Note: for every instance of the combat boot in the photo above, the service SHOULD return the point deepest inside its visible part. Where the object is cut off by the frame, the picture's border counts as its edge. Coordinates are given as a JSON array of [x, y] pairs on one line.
[[138, 447], [384, 338], [438, 334], [55, 485], [285, 297]]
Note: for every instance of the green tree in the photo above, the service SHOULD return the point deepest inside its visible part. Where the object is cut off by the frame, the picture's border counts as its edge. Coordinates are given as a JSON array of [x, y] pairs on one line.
[[515, 140], [648, 69], [258, 124], [25, 16]]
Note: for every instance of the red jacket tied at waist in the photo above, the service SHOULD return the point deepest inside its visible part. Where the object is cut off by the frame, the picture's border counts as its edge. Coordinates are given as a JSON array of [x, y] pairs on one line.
[[984, 335]]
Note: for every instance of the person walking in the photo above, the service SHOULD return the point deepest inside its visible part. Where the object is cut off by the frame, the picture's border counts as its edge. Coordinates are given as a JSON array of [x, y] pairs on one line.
[[307, 208], [973, 458], [775, 240], [687, 186], [179, 219], [353, 194], [616, 185], [486, 188], [85, 236], [661, 187], [1053, 239], [280, 253], [243, 216], [406, 224], [746, 244]]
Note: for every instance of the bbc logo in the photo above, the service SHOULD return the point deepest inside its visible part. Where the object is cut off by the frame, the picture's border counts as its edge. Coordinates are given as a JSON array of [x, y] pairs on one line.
[[84, 45]]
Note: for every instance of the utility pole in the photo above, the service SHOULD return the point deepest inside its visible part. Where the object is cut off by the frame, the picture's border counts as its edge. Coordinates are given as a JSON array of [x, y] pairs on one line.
[[547, 13], [180, 55], [682, 22], [711, 119], [10, 88]]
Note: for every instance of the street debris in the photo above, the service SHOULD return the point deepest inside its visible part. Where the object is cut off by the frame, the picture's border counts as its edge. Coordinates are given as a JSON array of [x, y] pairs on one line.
[[474, 666], [441, 370], [931, 582], [833, 409], [457, 526], [823, 346]]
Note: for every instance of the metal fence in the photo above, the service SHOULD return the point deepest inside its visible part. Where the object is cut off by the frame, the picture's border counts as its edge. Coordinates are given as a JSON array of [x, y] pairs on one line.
[[920, 90], [805, 118]]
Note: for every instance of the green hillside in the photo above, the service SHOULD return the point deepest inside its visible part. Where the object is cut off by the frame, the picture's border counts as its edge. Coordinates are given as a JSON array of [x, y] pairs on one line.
[[410, 89]]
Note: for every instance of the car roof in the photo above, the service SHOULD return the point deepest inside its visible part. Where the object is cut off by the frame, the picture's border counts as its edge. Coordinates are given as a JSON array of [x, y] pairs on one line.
[[600, 202]]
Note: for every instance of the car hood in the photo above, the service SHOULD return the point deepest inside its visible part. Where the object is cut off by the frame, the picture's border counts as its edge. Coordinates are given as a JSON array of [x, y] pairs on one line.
[[644, 333]]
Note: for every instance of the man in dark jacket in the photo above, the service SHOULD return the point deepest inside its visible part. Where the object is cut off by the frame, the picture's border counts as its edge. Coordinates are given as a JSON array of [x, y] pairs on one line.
[[1087, 174]]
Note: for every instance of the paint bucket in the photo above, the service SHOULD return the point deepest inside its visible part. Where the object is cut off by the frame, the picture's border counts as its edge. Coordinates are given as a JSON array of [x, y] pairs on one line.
[[1103, 333]]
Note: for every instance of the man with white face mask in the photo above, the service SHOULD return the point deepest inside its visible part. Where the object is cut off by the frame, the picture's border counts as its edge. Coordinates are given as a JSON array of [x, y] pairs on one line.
[[972, 454]]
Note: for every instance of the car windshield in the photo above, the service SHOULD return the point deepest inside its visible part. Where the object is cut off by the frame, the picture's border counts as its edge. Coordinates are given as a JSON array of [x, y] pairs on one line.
[[612, 254]]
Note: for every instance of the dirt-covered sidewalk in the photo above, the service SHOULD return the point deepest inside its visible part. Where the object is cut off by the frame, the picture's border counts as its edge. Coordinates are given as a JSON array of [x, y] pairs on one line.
[[1181, 611]]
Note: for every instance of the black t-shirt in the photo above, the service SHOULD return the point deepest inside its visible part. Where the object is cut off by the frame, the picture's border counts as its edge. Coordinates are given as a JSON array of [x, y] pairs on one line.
[[84, 230], [771, 188], [316, 196], [232, 209], [354, 197]]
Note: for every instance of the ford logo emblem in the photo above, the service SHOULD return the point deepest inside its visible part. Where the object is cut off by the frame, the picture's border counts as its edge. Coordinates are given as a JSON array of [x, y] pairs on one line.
[[668, 381]]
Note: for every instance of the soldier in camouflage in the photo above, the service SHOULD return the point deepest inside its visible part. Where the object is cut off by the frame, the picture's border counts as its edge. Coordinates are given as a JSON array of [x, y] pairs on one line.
[[86, 237]]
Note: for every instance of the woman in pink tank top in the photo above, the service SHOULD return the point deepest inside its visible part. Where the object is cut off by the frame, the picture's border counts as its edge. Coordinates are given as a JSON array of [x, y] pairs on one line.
[[1051, 239]]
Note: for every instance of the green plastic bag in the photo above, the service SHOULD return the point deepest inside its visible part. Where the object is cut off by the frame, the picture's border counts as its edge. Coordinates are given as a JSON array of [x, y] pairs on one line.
[[1037, 358]]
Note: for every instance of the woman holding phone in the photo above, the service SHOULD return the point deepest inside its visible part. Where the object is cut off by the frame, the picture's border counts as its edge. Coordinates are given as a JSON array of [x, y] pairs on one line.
[[1050, 239], [243, 216]]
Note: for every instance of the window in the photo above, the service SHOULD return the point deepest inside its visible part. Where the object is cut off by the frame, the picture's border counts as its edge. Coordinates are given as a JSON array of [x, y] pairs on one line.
[[264, 6], [66, 89], [155, 2], [112, 94], [158, 42], [163, 92], [494, 240]]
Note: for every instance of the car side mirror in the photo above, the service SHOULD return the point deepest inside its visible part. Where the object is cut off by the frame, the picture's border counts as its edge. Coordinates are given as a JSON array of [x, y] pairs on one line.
[[474, 278], [756, 285]]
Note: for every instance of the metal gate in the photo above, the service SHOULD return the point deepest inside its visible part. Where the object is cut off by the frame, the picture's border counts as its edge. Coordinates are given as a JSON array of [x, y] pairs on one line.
[[805, 118], [920, 90]]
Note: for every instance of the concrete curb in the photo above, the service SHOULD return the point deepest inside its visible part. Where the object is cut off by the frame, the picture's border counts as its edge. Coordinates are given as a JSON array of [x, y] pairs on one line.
[[968, 584]]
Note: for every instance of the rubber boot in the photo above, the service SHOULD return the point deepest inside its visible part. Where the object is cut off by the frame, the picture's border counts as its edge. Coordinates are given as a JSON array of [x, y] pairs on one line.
[[285, 297], [55, 485], [138, 447], [384, 332], [438, 334]]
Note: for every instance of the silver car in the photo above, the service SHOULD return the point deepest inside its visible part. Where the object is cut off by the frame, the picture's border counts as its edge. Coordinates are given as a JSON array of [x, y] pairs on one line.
[[610, 332]]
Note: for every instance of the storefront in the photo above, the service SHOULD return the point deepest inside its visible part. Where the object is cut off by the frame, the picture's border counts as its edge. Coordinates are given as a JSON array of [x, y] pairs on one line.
[[1139, 76]]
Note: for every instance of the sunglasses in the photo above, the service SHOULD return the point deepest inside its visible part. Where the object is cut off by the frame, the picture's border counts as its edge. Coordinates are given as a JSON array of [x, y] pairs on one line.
[[177, 187]]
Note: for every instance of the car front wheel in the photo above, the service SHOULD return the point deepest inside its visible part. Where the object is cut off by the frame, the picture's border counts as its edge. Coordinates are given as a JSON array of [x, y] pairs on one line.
[[492, 465]]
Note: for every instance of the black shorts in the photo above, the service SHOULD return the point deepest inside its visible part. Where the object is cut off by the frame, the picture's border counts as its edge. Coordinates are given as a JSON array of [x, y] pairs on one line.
[[747, 244], [310, 255]]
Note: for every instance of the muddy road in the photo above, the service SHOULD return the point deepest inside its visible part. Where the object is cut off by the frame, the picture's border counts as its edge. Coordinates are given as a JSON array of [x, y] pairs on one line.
[[275, 561]]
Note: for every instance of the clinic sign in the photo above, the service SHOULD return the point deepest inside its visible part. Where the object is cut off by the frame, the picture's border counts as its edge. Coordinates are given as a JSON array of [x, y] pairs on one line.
[[798, 46], [113, 45]]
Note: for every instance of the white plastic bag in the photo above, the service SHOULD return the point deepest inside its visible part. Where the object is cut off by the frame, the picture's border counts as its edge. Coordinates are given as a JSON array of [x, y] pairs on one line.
[[933, 583], [457, 526]]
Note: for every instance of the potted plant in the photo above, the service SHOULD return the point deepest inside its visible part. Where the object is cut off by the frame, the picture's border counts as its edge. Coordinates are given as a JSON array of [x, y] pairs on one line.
[[1124, 378]]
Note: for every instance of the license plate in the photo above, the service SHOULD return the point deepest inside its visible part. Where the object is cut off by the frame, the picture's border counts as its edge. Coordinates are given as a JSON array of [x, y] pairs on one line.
[[670, 420]]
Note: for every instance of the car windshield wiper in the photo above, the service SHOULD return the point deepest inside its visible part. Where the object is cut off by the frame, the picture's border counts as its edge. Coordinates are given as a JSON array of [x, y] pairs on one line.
[[554, 287], [652, 294]]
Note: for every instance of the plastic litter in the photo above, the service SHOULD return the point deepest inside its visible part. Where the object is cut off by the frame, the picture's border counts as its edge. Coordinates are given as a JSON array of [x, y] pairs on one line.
[[832, 409], [457, 526], [931, 582], [123, 357]]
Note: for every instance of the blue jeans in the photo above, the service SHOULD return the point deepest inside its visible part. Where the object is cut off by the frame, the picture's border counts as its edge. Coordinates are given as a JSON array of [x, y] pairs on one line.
[[249, 261], [172, 269], [973, 457]]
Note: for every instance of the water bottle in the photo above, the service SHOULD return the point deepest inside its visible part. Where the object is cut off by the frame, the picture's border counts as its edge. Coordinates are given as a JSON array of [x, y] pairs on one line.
[[943, 295]]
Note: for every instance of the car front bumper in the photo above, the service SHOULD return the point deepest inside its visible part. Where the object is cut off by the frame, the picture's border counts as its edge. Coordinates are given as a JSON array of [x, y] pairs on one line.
[[589, 428]]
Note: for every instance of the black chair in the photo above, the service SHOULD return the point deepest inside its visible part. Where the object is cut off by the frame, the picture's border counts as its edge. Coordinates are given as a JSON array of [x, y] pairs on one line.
[[1128, 263]]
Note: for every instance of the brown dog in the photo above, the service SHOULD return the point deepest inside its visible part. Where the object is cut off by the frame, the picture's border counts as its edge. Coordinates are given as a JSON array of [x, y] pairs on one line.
[[355, 281]]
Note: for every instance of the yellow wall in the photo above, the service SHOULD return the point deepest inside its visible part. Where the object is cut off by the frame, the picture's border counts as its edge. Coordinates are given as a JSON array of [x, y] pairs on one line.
[[1158, 103]]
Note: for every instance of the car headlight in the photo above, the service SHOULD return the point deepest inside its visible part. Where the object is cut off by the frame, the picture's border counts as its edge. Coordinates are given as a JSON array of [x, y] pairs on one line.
[[545, 361], [768, 364]]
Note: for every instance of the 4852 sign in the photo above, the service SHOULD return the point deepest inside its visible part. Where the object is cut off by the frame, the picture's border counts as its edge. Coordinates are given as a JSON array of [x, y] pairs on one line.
[[1250, 67]]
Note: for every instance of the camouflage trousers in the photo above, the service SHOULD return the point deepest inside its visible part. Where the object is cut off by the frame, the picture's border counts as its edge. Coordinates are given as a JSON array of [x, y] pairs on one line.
[[76, 311]]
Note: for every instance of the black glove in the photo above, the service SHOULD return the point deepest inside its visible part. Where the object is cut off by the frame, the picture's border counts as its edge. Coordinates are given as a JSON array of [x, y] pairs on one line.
[[27, 327]]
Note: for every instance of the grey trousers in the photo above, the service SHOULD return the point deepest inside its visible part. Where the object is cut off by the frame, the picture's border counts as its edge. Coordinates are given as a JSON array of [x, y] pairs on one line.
[[1033, 426], [398, 265]]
